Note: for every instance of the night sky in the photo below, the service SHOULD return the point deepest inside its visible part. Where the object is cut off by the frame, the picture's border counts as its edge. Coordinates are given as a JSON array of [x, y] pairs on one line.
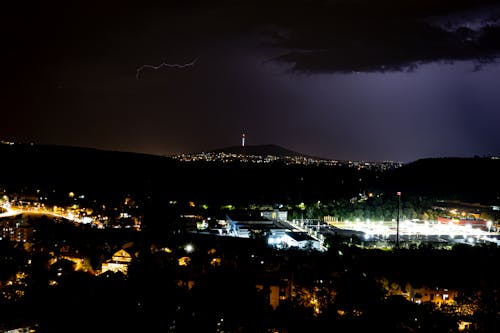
[[354, 79]]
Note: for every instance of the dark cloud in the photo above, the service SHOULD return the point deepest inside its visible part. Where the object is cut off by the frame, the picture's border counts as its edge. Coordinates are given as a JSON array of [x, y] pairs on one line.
[[319, 36], [389, 35]]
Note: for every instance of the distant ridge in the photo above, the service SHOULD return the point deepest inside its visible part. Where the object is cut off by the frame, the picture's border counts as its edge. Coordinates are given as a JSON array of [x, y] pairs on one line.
[[263, 150], [470, 178], [111, 173]]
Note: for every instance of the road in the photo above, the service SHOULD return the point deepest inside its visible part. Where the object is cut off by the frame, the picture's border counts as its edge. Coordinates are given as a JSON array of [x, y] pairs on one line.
[[15, 210]]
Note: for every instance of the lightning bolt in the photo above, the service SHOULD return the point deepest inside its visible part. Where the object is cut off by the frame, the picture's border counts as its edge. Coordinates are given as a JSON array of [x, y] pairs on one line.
[[164, 64]]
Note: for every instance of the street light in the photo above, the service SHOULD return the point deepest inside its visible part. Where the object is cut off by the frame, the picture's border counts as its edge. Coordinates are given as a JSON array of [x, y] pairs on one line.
[[189, 248], [397, 222]]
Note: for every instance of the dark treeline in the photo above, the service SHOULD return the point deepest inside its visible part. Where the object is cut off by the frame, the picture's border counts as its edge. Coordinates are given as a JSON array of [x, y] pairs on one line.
[[338, 191], [107, 173], [467, 179]]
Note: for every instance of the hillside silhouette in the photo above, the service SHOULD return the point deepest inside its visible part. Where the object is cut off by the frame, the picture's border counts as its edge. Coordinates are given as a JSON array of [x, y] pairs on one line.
[[469, 179], [108, 173]]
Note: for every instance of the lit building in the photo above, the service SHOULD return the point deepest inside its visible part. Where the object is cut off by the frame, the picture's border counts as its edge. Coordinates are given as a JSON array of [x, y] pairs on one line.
[[244, 226], [118, 263], [301, 240], [426, 294], [16, 231], [275, 215], [278, 289]]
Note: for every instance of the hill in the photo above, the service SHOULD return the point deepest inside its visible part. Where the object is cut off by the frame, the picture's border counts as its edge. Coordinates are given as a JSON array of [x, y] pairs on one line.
[[262, 150], [470, 179], [74, 168], [110, 174]]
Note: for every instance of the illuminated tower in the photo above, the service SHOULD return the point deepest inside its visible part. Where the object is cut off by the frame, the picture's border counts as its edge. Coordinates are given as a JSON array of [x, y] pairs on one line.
[[243, 140]]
